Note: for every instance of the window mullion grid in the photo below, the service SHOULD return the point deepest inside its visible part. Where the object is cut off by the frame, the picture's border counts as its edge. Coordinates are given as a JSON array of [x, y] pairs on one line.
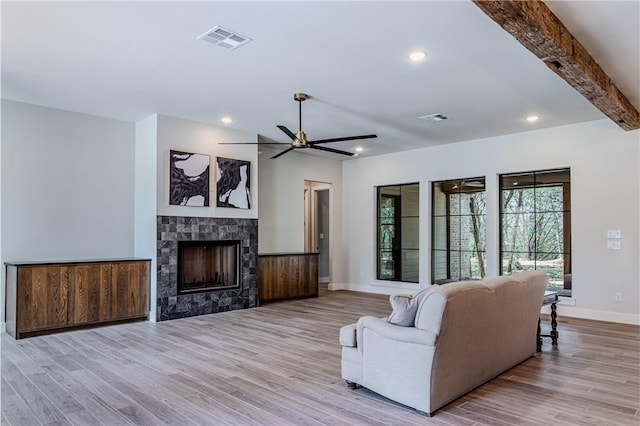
[[535, 220]]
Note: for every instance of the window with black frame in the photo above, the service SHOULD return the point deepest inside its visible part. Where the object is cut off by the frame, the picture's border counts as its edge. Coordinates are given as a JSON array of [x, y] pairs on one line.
[[535, 225], [458, 230], [398, 232]]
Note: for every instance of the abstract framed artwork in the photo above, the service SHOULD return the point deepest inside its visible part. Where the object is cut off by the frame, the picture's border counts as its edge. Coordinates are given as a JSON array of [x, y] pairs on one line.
[[233, 179], [189, 179]]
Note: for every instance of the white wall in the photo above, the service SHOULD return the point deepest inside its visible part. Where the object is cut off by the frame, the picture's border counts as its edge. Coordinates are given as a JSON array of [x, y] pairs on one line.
[[200, 138], [67, 185], [281, 226], [604, 162], [2, 294], [145, 222]]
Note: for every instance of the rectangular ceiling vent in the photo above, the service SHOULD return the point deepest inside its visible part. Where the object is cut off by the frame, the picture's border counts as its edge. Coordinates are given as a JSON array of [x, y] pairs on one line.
[[225, 38], [434, 117]]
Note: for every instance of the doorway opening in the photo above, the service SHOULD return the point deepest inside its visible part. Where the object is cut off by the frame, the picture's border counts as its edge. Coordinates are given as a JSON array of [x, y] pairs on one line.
[[317, 225]]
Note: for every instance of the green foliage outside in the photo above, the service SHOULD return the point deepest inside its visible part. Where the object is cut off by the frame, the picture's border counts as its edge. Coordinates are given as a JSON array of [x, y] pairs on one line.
[[532, 231]]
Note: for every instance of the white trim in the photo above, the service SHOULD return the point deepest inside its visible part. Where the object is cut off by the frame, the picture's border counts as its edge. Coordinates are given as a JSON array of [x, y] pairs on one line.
[[592, 314], [378, 287], [565, 300], [3, 327]]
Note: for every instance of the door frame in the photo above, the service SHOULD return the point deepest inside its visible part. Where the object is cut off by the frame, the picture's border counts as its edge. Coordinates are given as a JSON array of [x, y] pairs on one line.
[[311, 221]]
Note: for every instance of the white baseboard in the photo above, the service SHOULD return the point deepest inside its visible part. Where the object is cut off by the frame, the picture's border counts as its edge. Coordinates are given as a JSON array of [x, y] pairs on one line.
[[592, 314], [377, 287], [335, 286]]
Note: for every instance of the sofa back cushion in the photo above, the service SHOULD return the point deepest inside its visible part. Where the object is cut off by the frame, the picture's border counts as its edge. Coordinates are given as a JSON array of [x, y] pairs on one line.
[[430, 311]]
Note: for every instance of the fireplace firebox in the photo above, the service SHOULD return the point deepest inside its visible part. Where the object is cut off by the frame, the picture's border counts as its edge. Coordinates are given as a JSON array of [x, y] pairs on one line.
[[208, 265]]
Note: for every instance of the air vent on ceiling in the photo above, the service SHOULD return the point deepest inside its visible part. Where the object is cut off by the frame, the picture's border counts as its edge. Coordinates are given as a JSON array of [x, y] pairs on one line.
[[434, 117], [224, 38]]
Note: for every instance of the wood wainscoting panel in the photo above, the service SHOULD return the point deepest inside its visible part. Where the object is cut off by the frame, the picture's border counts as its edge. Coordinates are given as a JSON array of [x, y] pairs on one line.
[[287, 276]]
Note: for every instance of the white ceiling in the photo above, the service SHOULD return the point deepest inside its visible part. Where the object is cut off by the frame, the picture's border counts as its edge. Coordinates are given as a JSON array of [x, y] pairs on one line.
[[128, 60]]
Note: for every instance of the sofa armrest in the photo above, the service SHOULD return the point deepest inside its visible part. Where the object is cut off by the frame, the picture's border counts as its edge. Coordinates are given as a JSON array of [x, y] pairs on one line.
[[348, 335], [395, 332]]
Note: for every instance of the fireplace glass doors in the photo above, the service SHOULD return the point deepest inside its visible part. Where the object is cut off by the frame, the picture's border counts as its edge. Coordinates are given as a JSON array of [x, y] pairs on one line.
[[208, 265]]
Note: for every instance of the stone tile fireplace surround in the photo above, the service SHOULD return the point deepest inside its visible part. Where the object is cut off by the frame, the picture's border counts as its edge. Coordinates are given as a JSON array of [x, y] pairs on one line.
[[172, 229]]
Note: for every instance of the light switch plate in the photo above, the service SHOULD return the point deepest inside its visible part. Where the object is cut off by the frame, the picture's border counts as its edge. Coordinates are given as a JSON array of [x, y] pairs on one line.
[[614, 234]]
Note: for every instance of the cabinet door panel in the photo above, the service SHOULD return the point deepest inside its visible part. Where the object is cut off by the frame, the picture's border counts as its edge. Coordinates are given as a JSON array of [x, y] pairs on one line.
[[310, 278], [42, 297], [86, 296], [60, 279], [130, 287], [138, 289], [106, 293]]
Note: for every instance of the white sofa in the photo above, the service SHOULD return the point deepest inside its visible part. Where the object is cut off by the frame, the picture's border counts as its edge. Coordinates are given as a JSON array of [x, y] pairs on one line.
[[455, 337]]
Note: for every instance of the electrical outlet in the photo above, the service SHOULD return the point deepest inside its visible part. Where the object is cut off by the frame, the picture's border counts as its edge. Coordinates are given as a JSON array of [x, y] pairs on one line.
[[613, 245], [617, 296]]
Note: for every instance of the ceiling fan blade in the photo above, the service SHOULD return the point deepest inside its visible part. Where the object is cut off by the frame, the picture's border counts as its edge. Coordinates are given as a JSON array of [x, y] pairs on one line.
[[254, 143], [282, 153], [337, 151], [288, 132], [346, 138]]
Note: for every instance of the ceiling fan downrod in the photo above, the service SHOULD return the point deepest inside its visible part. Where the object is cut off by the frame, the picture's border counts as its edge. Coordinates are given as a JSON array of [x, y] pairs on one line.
[[301, 137]]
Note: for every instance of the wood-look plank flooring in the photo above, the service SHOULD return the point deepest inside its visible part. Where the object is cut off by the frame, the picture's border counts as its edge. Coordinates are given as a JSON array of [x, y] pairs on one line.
[[280, 365]]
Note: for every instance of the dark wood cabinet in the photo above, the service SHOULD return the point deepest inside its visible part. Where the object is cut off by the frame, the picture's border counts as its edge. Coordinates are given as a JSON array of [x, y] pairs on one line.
[[287, 276], [44, 298]]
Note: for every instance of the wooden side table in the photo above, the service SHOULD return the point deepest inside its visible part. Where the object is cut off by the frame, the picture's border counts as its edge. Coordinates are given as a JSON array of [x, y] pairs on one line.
[[550, 298]]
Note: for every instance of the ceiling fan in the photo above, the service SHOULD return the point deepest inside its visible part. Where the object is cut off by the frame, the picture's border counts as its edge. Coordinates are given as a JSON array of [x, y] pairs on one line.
[[299, 139], [463, 186], [472, 184]]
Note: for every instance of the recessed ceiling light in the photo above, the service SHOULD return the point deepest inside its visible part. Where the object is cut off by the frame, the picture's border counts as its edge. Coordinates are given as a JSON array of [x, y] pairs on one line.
[[359, 149], [226, 120], [532, 118], [418, 56]]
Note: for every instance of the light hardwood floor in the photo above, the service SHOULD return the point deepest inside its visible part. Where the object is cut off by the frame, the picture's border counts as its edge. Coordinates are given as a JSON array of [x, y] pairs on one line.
[[280, 364]]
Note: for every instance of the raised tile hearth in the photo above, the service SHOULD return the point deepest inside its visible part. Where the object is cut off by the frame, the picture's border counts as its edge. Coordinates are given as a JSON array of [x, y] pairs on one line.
[[171, 230]]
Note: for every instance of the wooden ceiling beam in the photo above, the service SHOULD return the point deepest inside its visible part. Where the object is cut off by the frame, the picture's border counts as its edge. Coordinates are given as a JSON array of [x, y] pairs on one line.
[[534, 25]]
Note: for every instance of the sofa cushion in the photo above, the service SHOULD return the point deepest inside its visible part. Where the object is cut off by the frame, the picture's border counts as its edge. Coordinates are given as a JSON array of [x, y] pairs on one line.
[[404, 307]]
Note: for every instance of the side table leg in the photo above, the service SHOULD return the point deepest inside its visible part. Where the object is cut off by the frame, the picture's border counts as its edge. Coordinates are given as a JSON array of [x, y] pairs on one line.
[[554, 325], [539, 338]]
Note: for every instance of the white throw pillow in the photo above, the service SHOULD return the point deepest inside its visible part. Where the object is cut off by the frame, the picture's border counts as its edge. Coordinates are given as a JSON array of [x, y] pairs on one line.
[[404, 308]]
